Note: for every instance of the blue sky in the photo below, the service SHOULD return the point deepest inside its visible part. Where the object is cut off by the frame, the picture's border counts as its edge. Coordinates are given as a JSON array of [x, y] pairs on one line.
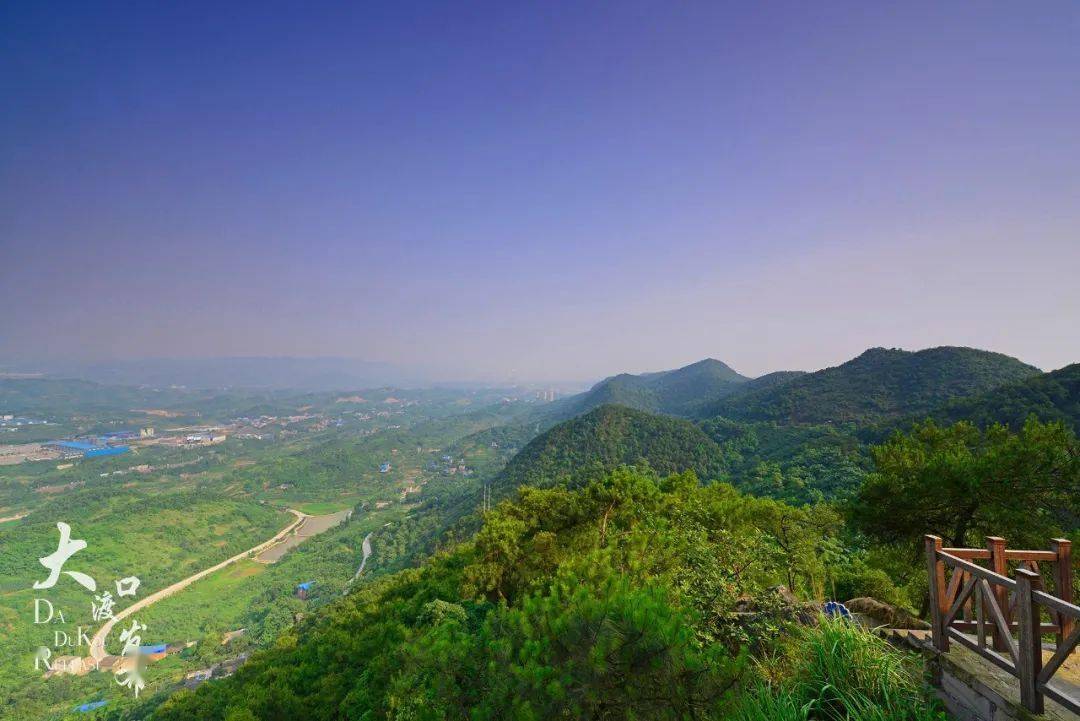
[[549, 190]]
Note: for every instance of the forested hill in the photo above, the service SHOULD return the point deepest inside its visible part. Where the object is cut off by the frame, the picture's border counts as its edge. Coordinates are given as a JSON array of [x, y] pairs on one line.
[[878, 385], [608, 437], [1053, 396], [770, 380], [677, 392]]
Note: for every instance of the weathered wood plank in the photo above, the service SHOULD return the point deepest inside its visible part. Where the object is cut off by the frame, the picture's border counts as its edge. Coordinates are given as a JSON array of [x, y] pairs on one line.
[[970, 626], [969, 554], [958, 602], [935, 574], [1060, 656], [1033, 556], [995, 546], [980, 621], [1063, 588], [1056, 604], [955, 582], [992, 656], [1029, 662], [1001, 627], [1070, 702], [976, 570], [1011, 554]]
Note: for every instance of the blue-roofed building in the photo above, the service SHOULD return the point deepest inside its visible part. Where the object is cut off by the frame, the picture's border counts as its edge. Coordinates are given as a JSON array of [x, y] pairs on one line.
[[155, 652], [87, 707], [384, 468], [88, 450], [303, 588], [106, 451]]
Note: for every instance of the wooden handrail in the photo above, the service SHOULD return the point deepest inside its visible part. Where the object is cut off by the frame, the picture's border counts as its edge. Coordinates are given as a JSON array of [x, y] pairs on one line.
[[979, 554], [1056, 604], [1012, 555], [976, 570], [1004, 604]]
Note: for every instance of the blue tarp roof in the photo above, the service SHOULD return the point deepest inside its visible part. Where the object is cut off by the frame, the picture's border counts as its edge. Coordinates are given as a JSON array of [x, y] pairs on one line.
[[156, 648], [90, 706], [107, 451], [305, 586]]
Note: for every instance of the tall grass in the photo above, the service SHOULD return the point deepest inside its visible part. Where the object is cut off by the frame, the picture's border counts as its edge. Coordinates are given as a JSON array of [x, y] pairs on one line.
[[841, 672]]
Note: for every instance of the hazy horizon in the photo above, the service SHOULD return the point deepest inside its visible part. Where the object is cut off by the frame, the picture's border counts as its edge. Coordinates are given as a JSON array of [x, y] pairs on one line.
[[319, 372], [540, 192]]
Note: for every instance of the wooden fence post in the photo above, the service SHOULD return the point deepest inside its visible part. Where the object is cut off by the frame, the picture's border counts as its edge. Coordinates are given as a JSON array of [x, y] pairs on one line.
[[1063, 587], [996, 546], [935, 573], [1029, 661]]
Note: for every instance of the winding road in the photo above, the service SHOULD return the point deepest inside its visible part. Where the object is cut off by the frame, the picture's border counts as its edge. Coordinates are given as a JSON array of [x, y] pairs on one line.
[[97, 643]]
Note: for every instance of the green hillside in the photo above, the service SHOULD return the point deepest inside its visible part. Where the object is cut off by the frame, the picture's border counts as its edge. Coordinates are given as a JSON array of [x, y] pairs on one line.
[[878, 385], [608, 437], [612, 601], [1053, 396], [677, 392], [770, 380], [706, 408]]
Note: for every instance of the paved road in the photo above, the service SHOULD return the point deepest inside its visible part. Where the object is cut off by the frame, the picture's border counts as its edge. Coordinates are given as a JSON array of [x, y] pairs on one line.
[[97, 643]]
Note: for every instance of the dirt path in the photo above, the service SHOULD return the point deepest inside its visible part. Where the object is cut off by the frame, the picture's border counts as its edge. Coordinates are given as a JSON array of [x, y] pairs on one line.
[[97, 643], [13, 518], [366, 547]]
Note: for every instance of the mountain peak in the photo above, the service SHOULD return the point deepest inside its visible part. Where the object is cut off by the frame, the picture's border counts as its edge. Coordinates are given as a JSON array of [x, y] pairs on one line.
[[879, 384], [677, 392]]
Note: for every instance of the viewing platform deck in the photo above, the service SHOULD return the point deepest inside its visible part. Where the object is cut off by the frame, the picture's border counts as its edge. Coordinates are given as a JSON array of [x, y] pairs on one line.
[[1004, 647], [974, 688]]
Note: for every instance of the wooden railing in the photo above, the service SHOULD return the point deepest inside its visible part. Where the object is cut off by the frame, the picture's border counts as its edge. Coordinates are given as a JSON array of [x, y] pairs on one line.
[[970, 603]]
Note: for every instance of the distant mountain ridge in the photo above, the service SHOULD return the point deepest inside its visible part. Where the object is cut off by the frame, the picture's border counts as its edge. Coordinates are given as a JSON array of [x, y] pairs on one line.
[[789, 433], [677, 392], [877, 385], [255, 372]]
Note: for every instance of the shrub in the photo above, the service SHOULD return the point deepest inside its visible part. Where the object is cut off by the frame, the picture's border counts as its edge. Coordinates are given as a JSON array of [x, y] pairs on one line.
[[842, 672]]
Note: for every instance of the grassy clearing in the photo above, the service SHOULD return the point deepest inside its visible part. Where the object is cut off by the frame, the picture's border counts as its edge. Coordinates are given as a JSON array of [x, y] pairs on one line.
[[838, 671], [322, 508]]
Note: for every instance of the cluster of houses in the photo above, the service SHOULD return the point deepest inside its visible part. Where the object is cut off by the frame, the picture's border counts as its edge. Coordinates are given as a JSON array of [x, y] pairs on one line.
[[82, 665], [218, 670], [12, 422]]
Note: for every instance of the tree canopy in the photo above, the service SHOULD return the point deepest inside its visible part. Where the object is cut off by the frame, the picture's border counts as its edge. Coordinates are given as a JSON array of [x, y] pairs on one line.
[[963, 482]]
